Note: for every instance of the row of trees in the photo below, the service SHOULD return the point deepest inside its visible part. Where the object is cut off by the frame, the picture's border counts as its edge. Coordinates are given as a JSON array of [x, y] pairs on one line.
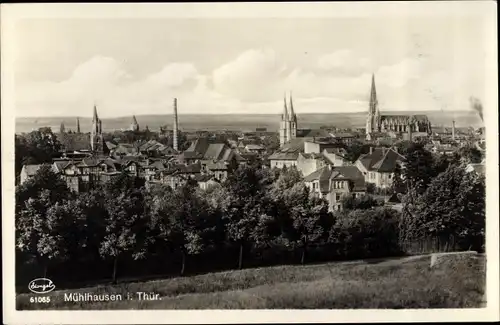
[[256, 210]]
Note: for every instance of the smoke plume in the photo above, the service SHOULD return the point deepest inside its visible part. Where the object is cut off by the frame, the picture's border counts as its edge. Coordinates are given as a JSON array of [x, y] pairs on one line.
[[477, 106]]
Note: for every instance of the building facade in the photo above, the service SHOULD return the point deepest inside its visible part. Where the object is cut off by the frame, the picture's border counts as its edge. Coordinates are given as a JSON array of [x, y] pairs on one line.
[[378, 123], [288, 125]]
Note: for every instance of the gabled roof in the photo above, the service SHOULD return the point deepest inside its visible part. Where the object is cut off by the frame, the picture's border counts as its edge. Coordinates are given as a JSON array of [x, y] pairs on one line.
[[214, 151], [311, 133], [31, 169], [323, 176], [381, 160], [59, 165]]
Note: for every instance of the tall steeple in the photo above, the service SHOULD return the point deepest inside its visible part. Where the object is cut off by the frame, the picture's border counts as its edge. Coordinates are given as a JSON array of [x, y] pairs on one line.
[[284, 124], [285, 110], [134, 126], [77, 124], [373, 118], [96, 139], [293, 117], [62, 129]]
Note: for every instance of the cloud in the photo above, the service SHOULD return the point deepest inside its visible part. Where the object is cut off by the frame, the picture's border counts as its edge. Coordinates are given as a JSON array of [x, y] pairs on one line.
[[345, 62], [255, 75], [252, 82]]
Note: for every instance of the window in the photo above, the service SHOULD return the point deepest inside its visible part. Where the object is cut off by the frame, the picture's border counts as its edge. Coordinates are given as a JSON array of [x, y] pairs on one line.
[[337, 196]]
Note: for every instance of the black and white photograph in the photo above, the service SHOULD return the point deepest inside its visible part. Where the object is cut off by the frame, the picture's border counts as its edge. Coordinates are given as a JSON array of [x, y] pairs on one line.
[[229, 157]]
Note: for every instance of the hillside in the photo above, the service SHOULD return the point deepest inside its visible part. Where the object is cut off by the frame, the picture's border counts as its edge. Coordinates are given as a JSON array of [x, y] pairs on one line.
[[392, 283], [239, 122]]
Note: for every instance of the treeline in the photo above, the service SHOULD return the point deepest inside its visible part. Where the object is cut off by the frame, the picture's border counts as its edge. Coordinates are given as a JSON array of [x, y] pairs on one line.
[[257, 217]]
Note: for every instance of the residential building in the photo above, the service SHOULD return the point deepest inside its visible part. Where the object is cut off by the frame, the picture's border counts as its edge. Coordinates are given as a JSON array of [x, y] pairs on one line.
[[379, 165], [334, 183]]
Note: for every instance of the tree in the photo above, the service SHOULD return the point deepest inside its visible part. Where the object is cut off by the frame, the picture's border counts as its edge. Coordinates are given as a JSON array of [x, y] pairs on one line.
[[453, 204], [418, 167], [41, 145], [311, 221], [363, 202], [125, 227], [245, 208], [469, 155], [46, 230], [356, 149]]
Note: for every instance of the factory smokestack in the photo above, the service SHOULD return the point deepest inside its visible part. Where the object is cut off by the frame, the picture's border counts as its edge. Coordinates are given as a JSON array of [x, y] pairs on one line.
[[453, 130], [176, 126]]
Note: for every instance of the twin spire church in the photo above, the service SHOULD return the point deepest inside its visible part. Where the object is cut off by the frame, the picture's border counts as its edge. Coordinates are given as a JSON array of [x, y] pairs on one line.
[[377, 124], [288, 126]]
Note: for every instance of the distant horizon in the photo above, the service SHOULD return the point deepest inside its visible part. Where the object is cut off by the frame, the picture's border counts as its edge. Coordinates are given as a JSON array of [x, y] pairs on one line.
[[399, 112]]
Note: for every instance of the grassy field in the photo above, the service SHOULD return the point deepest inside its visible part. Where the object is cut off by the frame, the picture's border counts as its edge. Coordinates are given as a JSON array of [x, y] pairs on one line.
[[396, 283]]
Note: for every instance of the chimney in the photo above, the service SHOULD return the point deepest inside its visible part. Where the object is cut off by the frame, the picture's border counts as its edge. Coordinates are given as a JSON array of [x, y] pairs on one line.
[[453, 130], [176, 126]]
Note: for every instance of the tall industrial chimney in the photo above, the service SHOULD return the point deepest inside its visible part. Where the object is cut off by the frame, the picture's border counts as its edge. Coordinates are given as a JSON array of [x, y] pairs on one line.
[[453, 130], [176, 126]]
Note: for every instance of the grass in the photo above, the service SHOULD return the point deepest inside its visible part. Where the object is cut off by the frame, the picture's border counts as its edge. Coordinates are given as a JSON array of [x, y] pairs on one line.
[[404, 283]]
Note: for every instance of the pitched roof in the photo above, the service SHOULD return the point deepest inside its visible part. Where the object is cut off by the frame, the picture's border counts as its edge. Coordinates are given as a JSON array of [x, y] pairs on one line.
[[214, 151], [31, 169], [381, 160], [311, 133], [323, 176], [478, 168], [352, 174]]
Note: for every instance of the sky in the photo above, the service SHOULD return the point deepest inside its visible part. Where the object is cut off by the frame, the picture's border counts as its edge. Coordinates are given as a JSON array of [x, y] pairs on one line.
[[247, 65]]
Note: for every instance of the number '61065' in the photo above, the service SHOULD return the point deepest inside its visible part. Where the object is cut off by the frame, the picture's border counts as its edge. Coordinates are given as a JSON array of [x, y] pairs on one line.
[[39, 299]]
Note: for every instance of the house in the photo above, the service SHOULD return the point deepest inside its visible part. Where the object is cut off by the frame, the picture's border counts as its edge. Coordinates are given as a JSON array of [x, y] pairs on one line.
[[287, 155], [345, 138], [334, 183], [379, 165], [336, 156], [206, 181], [219, 170], [479, 169], [308, 163], [318, 145], [394, 202], [255, 148], [28, 171]]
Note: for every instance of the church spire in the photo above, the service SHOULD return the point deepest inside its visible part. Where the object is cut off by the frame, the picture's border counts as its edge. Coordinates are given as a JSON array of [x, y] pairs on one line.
[[373, 97], [95, 118], [293, 117], [62, 128], [285, 110]]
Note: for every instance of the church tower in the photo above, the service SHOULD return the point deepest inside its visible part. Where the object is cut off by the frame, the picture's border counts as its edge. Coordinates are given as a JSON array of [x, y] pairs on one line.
[[284, 125], [134, 126], [96, 139], [373, 118], [293, 120], [288, 125]]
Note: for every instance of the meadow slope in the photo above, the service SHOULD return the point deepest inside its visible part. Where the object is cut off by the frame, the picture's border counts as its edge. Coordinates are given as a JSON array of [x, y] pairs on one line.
[[394, 283]]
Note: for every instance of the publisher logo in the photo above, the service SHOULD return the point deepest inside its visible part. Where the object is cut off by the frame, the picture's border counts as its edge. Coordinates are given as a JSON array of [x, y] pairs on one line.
[[41, 285]]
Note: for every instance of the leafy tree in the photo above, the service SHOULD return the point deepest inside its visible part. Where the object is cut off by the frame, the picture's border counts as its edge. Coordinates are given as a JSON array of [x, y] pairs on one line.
[[418, 170], [125, 227], [362, 202], [37, 147], [46, 230], [245, 208], [44, 179], [453, 204], [356, 149], [311, 221], [469, 154]]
